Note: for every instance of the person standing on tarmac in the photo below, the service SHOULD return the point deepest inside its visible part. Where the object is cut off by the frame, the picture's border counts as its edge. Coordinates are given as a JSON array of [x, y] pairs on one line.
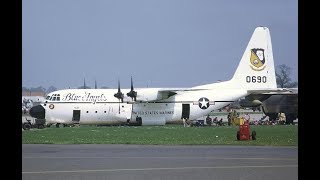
[[208, 120], [184, 122], [247, 118]]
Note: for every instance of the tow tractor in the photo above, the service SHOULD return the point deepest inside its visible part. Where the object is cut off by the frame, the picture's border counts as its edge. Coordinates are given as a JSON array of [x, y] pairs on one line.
[[244, 132], [38, 123]]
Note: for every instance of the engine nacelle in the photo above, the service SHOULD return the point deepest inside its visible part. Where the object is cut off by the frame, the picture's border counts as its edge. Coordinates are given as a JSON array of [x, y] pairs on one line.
[[248, 103], [145, 95]]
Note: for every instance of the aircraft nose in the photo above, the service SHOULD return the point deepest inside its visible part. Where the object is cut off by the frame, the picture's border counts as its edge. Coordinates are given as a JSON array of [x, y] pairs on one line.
[[37, 112]]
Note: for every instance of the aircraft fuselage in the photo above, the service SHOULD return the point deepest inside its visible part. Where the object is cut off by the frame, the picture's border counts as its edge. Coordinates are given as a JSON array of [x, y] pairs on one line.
[[101, 107]]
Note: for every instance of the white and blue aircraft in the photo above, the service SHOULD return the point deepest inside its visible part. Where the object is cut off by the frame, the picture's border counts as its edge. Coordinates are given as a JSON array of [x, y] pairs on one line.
[[156, 106]]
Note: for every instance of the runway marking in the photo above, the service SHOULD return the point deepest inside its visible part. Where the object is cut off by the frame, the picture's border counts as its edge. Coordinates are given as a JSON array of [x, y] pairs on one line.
[[161, 157], [151, 169]]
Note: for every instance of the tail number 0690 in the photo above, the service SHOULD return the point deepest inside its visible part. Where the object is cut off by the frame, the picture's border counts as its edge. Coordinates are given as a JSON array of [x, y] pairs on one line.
[[256, 79]]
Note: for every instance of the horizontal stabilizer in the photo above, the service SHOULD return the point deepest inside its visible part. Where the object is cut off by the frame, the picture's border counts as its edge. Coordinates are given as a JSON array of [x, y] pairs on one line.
[[277, 91]]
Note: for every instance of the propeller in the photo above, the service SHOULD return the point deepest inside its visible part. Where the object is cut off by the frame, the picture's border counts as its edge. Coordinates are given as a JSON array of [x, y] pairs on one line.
[[119, 95], [132, 93]]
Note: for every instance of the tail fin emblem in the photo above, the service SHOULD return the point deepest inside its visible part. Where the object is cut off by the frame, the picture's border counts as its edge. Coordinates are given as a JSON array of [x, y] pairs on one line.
[[257, 59]]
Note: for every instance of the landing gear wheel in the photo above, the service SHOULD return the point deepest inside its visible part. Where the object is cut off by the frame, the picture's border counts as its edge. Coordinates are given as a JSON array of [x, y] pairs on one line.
[[289, 119], [26, 126], [41, 126], [140, 122]]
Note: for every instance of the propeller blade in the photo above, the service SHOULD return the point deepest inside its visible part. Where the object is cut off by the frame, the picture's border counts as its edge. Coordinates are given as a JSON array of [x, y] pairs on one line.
[[119, 94], [131, 84], [132, 93]]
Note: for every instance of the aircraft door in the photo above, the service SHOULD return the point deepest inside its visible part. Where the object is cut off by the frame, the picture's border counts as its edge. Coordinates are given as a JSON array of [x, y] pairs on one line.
[[76, 116], [126, 110], [185, 111]]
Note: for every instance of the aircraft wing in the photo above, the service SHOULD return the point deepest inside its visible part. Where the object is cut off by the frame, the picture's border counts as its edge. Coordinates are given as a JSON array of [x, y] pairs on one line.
[[256, 97], [168, 92], [160, 94], [165, 94], [278, 91]]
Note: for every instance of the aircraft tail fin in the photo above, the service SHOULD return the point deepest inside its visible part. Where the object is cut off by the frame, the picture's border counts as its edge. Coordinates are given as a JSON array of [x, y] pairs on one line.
[[256, 69]]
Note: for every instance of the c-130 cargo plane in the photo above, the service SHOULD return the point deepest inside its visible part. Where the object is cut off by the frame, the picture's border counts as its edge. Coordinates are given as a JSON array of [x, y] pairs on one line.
[[156, 106]]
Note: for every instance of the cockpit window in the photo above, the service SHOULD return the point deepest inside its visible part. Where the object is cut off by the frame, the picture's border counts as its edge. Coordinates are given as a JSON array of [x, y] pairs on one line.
[[48, 97], [55, 97]]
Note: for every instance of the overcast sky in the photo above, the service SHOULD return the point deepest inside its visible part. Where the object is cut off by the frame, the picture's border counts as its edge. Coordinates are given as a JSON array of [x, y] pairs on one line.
[[161, 43]]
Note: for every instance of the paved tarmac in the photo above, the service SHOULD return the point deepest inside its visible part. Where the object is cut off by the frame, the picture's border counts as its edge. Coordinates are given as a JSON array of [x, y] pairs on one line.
[[144, 162]]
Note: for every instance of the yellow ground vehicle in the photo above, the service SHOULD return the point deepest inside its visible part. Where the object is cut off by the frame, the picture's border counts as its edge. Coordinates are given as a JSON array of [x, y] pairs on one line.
[[234, 119], [237, 121]]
